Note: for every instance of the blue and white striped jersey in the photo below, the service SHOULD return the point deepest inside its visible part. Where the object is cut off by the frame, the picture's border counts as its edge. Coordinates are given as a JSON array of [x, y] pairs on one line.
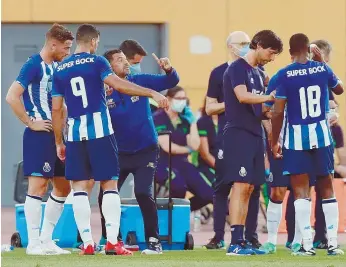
[[79, 79], [306, 88], [36, 79]]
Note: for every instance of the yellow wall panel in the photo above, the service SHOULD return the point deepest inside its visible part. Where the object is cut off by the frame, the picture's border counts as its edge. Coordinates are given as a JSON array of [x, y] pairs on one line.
[[16, 10]]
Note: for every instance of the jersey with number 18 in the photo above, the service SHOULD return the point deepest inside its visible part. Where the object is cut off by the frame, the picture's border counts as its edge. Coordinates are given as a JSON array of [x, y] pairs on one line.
[[79, 79], [305, 86]]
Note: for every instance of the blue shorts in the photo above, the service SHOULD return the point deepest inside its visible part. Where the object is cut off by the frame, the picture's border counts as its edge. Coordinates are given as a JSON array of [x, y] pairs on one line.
[[39, 155], [92, 159], [243, 157], [318, 161], [276, 177]]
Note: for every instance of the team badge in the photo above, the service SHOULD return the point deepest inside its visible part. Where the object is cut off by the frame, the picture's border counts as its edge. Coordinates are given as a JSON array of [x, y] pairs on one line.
[[220, 154], [151, 165], [46, 167], [242, 172]]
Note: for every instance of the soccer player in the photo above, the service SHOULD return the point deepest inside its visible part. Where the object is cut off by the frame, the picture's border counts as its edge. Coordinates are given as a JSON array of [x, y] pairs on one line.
[[278, 186], [33, 84], [243, 143], [91, 149], [307, 145], [238, 45], [137, 138]]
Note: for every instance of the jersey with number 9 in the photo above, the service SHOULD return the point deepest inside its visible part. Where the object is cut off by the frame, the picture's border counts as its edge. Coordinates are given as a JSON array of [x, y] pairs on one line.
[[79, 79], [306, 89]]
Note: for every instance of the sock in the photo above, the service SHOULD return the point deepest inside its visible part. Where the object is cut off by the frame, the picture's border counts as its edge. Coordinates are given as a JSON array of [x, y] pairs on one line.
[[220, 212], [297, 234], [290, 218], [52, 213], [331, 214], [82, 214], [33, 213], [111, 211], [103, 222], [320, 222], [252, 215], [237, 234], [274, 214], [303, 214]]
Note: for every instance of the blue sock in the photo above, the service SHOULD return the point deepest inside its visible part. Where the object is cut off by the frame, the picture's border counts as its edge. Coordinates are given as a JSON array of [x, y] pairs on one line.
[[237, 234]]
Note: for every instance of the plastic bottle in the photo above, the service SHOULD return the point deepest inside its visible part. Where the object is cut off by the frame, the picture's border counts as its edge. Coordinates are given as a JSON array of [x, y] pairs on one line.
[[6, 248], [197, 221]]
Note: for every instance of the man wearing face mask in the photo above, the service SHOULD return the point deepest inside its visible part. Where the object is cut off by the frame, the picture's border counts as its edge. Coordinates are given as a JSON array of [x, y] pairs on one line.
[[238, 45], [137, 138], [134, 53]]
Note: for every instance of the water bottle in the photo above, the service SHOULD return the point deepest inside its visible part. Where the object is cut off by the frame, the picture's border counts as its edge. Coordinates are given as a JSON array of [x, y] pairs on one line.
[[6, 248], [197, 221]]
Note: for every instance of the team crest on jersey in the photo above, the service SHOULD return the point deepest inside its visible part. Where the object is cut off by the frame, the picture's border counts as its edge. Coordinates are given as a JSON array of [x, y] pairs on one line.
[[220, 154], [151, 165], [134, 99], [269, 178], [110, 103], [46, 167], [242, 172]]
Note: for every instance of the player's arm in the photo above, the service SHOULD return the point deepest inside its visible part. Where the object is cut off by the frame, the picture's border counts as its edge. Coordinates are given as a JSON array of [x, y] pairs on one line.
[[59, 110], [58, 118], [246, 97], [13, 98], [14, 95], [205, 153], [126, 87], [192, 139], [204, 146], [267, 125], [157, 82], [213, 107], [278, 114], [237, 76], [337, 89]]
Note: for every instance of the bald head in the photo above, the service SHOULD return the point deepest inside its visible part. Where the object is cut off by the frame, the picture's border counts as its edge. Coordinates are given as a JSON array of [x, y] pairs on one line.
[[237, 37], [238, 44]]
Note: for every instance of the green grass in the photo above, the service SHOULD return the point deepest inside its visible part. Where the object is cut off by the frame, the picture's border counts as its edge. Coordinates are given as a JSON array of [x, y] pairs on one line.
[[198, 257]]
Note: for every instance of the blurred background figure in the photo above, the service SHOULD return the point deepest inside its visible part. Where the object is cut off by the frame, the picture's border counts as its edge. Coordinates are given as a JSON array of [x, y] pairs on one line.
[[185, 139]]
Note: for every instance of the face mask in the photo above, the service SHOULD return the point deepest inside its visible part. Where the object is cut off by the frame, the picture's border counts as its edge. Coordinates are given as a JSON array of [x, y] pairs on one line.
[[242, 51], [135, 68], [178, 105]]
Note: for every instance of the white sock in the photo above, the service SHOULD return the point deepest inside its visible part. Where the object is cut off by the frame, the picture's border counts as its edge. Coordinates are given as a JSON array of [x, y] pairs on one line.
[[111, 211], [52, 213], [274, 214], [82, 214], [303, 214], [331, 214], [33, 213], [297, 235]]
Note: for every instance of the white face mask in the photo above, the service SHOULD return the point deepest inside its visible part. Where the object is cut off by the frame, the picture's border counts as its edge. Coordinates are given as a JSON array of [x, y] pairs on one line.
[[178, 105]]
